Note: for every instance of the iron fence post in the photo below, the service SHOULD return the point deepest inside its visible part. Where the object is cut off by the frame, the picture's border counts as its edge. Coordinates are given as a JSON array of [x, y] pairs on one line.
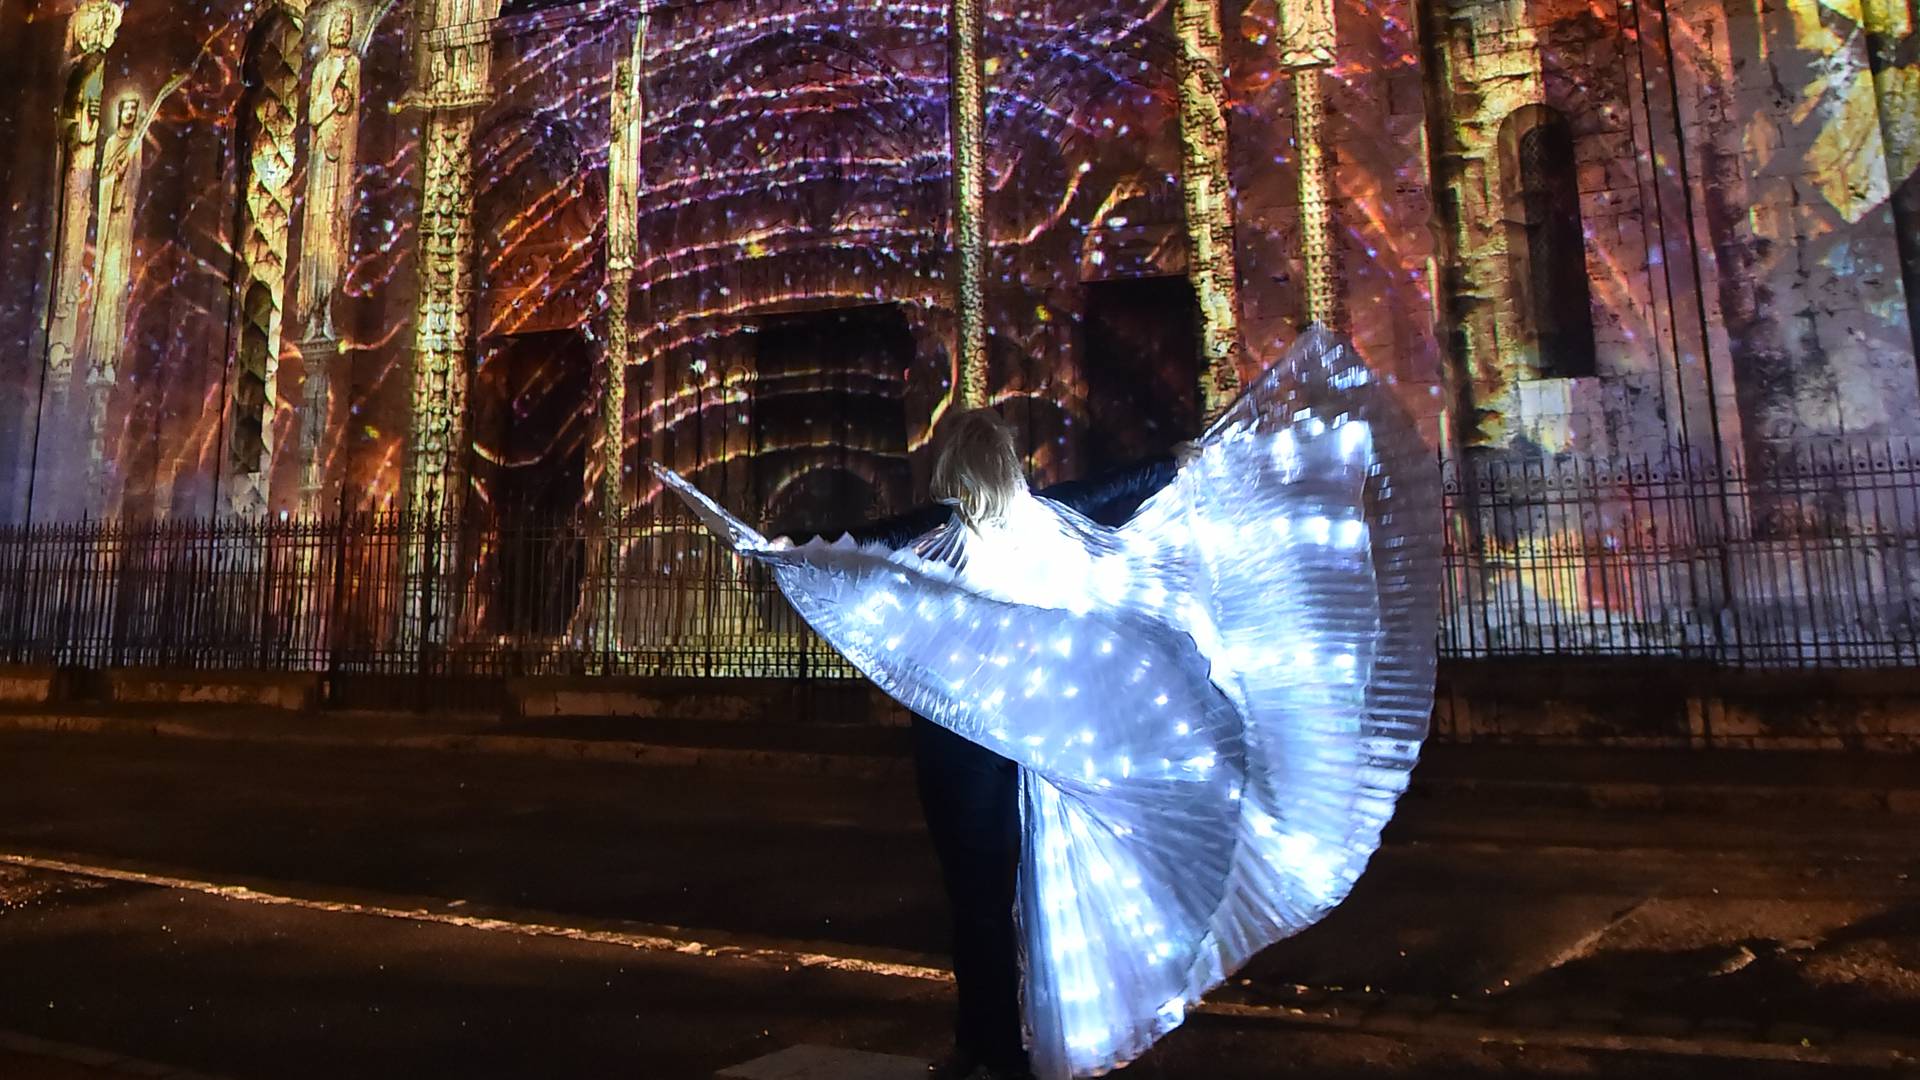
[[429, 570], [337, 600]]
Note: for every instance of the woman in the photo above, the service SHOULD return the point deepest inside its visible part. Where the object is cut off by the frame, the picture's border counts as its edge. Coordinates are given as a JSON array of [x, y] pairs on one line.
[[1213, 706], [969, 794]]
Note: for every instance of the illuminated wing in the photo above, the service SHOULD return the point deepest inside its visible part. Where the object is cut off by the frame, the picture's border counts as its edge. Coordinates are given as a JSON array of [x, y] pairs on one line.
[[1310, 522], [1216, 704], [1132, 756]]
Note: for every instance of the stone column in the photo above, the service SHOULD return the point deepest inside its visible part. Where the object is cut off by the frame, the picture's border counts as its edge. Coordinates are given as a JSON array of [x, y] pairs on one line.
[[1208, 195], [966, 118], [254, 393], [318, 357], [326, 227], [623, 209], [456, 51], [1307, 43]]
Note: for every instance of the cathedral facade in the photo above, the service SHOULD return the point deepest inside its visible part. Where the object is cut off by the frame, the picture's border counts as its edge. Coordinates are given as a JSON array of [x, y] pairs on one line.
[[296, 257]]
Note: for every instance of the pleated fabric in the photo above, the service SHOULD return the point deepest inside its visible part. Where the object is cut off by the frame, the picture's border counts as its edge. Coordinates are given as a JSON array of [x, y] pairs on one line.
[[1215, 705]]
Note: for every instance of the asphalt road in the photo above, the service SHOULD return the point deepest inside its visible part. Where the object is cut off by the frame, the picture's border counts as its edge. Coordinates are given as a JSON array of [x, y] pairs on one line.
[[1684, 925]]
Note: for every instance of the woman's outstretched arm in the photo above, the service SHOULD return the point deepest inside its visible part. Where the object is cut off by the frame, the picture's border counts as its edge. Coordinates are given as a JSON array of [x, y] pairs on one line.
[[1111, 497], [895, 532]]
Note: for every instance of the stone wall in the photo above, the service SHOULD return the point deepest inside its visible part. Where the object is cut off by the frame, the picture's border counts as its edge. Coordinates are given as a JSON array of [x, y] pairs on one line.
[[1743, 179], [1741, 245], [792, 159]]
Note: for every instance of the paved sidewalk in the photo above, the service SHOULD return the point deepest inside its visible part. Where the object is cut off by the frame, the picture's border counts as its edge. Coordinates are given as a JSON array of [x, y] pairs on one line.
[[1723, 782], [427, 984], [203, 901], [25, 1057]]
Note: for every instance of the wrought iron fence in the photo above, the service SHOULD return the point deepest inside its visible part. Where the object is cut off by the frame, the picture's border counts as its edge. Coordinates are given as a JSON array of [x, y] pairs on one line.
[[1808, 560], [397, 594], [1809, 557]]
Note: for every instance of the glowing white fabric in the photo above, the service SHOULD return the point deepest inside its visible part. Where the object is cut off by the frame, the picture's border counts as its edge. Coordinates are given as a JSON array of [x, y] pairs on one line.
[[1215, 705]]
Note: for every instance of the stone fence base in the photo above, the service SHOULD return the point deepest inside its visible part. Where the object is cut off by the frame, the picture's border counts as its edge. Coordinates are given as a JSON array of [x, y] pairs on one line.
[[1564, 702], [1665, 704], [35, 685]]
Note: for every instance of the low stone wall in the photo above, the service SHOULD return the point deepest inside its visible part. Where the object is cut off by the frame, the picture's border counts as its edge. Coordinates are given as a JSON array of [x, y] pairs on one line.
[[721, 700], [1565, 702], [47, 685], [292, 691], [22, 684], [1643, 703]]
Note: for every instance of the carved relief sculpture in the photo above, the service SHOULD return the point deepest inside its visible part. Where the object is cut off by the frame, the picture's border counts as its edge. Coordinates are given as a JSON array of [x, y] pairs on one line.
[[116, 195], [1307, 36], [1208, 198], [966, 125], [117, 185], [1307, 43], [457, 45], [93, 28], [326, 230], [623, 207]]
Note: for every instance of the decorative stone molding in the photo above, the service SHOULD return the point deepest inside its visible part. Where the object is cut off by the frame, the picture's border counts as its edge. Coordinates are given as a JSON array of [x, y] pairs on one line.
[[1308, 41], [455, 47], [275, 107], [966, 110], [1208, 196]]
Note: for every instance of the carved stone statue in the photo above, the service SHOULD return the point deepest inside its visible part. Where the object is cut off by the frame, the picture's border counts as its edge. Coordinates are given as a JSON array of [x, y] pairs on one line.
[[623, 169], [1307, 34], [333, 117], [94, 25], [117, 187], [81, 146], [116, 195]]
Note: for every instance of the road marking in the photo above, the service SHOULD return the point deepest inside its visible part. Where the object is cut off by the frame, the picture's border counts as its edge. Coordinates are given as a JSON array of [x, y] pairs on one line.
[[646, 942], [826, 1063], [1365, 1013]]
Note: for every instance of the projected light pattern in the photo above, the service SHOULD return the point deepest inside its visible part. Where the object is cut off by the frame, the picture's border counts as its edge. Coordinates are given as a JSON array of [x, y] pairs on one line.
[[485, 261]]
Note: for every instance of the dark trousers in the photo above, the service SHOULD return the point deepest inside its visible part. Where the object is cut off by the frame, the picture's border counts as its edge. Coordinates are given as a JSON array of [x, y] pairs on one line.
[[971, 797]]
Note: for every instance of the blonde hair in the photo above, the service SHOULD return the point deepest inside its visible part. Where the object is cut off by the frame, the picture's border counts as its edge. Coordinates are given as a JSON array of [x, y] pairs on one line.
[[978, 469]]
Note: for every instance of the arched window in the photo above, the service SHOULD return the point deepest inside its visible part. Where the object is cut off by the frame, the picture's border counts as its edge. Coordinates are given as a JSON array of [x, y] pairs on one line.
[[1546, 244]]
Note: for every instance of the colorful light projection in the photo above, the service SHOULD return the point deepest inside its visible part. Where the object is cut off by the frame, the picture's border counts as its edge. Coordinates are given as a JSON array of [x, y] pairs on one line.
[[1733, 171], [280, 291]]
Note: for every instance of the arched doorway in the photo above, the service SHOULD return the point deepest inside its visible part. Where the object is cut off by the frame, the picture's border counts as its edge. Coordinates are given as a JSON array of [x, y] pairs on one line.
[[829, 417], [1139, 347], [531, 429]]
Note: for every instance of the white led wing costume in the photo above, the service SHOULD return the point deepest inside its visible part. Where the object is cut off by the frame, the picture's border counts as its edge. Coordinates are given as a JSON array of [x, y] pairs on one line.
[[1215, 705]]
